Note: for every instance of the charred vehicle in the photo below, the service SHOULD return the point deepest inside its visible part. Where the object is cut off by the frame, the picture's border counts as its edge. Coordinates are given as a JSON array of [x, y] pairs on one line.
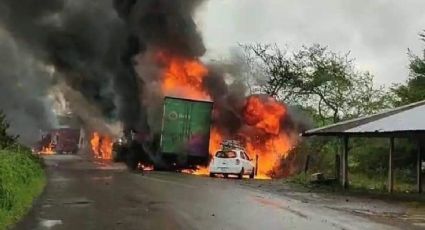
[[59, 141], [183, 140]]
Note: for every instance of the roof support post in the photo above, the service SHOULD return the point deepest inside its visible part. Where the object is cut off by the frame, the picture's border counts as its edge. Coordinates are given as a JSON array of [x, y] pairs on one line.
[[345, 162], [391, 166], [419, 167], [338, 160], [338, 167]]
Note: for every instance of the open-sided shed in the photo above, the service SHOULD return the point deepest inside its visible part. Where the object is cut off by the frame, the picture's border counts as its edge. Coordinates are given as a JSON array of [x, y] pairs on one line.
[[403, 122]]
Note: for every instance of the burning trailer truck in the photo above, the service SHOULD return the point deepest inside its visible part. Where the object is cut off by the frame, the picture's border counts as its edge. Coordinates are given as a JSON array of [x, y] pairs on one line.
[[182, 143]]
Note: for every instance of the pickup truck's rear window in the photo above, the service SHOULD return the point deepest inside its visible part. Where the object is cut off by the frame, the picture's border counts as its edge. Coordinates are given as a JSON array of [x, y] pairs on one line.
[[226, 154]]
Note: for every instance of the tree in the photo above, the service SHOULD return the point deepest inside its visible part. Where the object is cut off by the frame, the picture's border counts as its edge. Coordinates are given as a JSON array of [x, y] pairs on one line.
[[5, 139], [414, 89], [315, 77], [274, 64]]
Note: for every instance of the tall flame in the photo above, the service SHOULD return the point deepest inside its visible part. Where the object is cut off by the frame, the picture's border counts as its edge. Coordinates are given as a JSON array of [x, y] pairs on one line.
[[262, 134], [101, 146], [183, 77], [270, 144], [264, 114]]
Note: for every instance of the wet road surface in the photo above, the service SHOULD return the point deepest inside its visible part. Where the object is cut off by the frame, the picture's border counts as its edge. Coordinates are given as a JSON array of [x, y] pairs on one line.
[[85, 195]]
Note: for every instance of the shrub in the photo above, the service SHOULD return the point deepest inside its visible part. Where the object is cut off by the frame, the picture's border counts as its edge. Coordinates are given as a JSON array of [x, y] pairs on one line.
[[21, 180]]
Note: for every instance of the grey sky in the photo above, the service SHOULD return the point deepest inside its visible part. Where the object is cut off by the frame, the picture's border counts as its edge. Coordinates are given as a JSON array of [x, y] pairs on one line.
[[377, 32]]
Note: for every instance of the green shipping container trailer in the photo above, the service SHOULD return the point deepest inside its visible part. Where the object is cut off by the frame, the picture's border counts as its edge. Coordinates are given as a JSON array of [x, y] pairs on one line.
[[185, 131]]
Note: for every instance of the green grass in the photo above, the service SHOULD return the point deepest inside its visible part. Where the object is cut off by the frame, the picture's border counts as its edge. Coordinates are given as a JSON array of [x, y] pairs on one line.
[[301, 179], [379, 183], [22, 179], [364, 186]]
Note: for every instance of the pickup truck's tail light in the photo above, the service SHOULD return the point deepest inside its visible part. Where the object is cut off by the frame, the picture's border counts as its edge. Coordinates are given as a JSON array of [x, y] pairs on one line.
[[238, 161]]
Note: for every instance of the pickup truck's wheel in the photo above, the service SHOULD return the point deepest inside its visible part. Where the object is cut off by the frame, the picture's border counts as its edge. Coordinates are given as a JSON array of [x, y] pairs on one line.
[[252, 175], [212, 175], [240, 176]]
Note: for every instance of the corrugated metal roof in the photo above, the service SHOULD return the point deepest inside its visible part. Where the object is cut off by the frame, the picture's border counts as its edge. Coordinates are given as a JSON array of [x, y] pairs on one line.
[[409, 118]]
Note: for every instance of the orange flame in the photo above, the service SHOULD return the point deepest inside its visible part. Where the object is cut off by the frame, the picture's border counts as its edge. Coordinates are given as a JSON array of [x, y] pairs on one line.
[[47, 150], [145, 167], [183, 77], [215, 141], [265, 115], [200, 171], [101, 146], [263, 136], [269, 152]]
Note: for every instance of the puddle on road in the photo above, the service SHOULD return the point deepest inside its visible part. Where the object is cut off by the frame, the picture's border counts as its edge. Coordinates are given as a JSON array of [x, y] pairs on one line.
[[50, 223]]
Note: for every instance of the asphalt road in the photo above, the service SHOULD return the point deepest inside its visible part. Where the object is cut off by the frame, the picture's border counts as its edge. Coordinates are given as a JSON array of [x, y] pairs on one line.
[[84, 195]]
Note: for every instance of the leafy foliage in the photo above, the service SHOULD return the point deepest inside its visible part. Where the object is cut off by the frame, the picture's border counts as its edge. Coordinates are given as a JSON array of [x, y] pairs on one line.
[[21, 180], [319, 79], [414, 89], [328, 87], [5, 139], [21, 177]]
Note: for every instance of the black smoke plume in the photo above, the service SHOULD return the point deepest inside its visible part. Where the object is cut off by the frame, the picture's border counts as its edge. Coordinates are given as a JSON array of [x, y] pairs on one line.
[[91, 46], [100, 54]]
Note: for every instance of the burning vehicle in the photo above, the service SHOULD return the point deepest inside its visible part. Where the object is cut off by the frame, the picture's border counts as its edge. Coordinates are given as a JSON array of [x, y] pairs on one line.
[[59, 141], [183, 141], [172, 108]]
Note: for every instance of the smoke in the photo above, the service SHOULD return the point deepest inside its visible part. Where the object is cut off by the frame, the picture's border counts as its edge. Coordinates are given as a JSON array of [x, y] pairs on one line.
[[86, 43], [157, 26], [92, 47], [163, 23], [23, 81], [103, 57]]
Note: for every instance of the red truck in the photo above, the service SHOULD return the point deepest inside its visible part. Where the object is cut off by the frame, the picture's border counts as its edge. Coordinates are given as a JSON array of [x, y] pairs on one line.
[[60, 141]]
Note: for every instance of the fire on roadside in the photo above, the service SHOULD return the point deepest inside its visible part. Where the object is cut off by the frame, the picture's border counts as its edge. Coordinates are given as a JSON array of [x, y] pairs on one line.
[[101, 146], [145, 167], [47, 150], [262, 133], [264, 136]]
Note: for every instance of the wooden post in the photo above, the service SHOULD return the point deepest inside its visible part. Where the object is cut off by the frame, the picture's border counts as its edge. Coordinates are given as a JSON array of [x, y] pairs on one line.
[[345, 163], [256, 164], [391, 167], [307, 163], [338, 161], [419, 167], [338, 167]]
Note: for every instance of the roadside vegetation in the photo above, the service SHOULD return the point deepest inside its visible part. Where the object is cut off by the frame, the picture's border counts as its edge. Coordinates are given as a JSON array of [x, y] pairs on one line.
[[327, 87], [21, 177]]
